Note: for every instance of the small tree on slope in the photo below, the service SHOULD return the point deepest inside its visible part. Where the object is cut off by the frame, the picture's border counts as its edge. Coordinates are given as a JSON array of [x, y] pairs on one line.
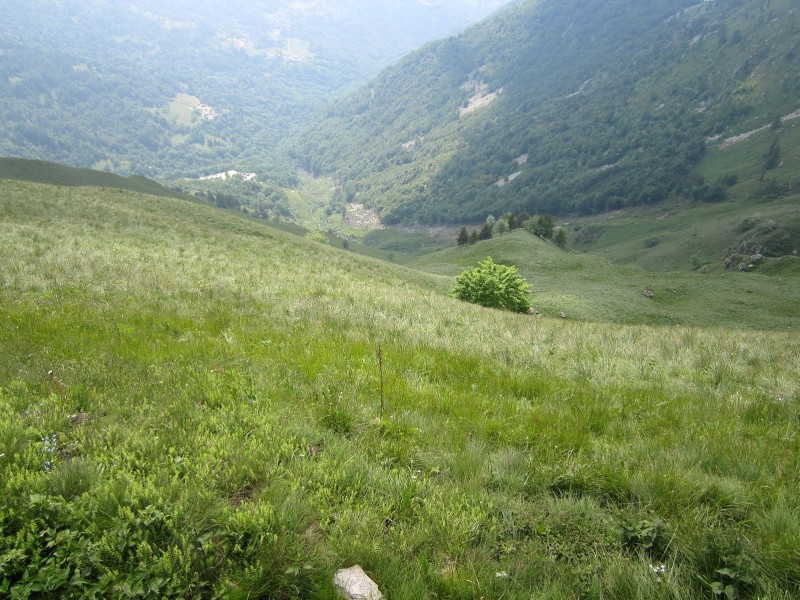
[[494, 286]]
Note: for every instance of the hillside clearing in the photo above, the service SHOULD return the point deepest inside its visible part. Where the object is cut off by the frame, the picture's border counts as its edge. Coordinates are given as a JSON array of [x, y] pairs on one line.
[[481, 96]]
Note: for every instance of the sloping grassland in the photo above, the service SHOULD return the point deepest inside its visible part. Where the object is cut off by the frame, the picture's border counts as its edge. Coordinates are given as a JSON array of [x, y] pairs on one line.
[[190, 406]]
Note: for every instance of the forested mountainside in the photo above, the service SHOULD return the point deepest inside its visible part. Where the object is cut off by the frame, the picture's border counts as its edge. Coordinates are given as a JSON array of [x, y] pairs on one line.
[[561, 106], [191, 88]]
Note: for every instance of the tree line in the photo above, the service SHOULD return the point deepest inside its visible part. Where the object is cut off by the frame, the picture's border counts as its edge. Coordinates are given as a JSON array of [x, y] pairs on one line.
[[541, 226]]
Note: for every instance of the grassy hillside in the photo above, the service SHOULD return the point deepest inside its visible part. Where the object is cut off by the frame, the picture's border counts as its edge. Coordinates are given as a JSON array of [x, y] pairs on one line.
[[680, 236], [39, 171], [761, 213], [591, 288], [190, 406]]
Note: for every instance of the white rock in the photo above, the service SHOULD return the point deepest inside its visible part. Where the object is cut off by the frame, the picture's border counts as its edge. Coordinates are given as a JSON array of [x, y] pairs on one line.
[[354, 584]]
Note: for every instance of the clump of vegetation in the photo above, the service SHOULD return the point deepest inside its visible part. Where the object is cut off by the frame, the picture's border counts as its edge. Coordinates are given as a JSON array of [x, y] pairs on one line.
[[589, 233], [541, 226], [494, 286], [500, 227], [748, 223], [699, 261]]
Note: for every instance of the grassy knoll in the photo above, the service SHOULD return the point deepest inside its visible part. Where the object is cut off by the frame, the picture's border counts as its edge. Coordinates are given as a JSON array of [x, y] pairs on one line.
[[211, 426], [588, 287]]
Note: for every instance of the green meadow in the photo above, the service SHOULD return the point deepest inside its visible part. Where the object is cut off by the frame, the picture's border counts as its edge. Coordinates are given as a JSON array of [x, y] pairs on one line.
[[191, 405], [588, 287], [682, 236]]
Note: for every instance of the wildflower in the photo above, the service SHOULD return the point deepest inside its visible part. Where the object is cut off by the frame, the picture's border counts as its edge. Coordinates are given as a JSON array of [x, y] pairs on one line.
[[49, 447], [501, 575], [50, 444], [659, 570]]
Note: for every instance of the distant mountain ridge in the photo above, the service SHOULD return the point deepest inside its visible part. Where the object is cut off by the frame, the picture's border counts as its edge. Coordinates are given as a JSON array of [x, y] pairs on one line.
[[560, 107]]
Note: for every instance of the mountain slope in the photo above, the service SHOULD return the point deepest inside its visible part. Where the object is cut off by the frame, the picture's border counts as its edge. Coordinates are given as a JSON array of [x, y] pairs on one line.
[[191, 88], [55, 174], [561, 106], [191, 405], [590, 288]]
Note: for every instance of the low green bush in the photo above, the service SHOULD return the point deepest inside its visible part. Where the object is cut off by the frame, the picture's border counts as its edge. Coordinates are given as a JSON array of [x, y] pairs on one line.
[[494, 286]]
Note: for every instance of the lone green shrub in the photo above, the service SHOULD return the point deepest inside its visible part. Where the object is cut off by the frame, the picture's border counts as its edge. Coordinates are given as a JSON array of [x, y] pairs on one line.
[[494, 286]]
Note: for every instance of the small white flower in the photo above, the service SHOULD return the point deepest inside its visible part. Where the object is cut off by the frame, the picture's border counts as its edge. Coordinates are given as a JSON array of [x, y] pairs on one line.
[[501, 575], [658, 570]]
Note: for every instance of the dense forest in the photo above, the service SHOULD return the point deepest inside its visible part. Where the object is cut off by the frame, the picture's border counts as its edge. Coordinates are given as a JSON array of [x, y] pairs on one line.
[[596, 106]]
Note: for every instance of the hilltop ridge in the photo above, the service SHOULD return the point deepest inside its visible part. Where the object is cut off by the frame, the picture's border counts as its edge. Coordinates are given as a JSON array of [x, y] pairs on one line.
[[39, 171]]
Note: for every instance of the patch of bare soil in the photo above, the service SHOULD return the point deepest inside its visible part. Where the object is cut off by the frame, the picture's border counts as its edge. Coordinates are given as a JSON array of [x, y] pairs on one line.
[[361, 217], [480, 98]]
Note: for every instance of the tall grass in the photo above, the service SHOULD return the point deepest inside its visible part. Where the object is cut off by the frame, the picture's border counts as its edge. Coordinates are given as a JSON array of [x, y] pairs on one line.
[[219, 432]]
